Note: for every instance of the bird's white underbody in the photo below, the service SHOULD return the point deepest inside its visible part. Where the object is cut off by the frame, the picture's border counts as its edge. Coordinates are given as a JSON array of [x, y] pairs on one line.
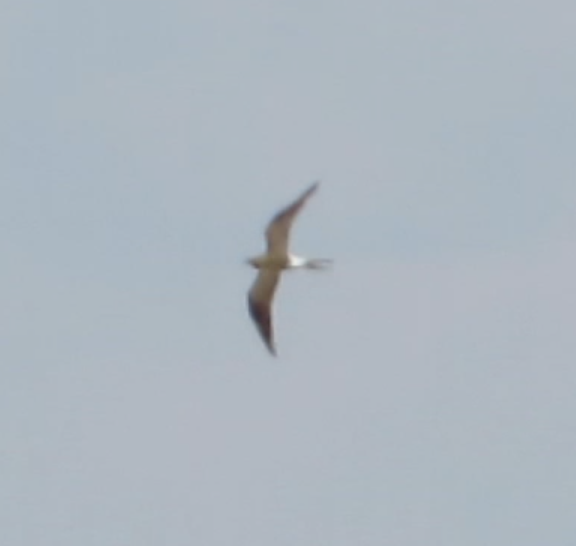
[[268, 261]]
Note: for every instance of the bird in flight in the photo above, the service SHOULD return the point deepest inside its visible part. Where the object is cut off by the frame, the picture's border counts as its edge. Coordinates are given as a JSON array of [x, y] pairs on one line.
[[273, 262]]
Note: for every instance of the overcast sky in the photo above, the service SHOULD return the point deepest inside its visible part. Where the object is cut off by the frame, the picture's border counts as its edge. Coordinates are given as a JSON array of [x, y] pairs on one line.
[[425, 390]]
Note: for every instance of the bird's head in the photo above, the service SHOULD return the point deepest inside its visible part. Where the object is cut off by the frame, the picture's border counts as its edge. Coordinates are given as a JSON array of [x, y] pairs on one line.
[[252, 262]]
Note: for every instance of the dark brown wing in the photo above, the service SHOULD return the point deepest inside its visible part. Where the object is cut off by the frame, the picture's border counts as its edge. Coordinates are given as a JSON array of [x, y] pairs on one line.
[[260, 299], [278, 231]]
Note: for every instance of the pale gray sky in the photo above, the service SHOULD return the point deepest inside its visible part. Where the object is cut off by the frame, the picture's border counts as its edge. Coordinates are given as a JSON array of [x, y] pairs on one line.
[[424, 393]]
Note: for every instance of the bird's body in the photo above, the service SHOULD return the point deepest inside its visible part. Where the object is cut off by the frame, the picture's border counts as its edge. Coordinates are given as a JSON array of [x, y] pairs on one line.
[[277, 261], [271, 265]]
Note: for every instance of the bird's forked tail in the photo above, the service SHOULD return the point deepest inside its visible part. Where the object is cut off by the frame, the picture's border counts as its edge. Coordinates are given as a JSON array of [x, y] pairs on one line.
[[318, 264]]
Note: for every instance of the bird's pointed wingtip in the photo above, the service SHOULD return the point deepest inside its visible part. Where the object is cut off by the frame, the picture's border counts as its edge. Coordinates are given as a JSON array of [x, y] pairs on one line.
[[312, 188]]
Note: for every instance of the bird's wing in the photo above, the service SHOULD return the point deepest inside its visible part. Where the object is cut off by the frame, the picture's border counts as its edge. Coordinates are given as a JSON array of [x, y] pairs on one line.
[[260, 299], [278, 231]]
